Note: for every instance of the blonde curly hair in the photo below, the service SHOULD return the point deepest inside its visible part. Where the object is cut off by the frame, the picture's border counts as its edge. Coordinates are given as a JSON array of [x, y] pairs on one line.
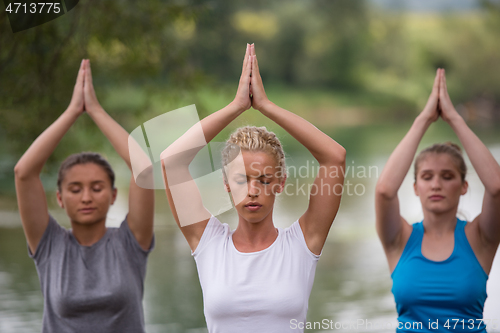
[[252, 138]]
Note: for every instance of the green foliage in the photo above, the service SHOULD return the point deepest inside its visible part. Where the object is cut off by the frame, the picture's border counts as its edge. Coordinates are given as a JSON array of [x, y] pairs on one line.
[[338, 63]]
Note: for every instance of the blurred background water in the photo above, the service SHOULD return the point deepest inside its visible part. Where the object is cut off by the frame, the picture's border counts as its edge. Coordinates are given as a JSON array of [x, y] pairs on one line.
[[352, 279], [358, 70]]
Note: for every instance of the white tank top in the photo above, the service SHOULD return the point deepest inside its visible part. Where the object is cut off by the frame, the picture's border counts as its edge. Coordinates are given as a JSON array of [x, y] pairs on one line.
[[264, 291]]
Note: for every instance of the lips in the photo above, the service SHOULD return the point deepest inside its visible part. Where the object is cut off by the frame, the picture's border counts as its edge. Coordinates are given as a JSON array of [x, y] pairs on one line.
[[86, 210], [253, 206], [436, 197]]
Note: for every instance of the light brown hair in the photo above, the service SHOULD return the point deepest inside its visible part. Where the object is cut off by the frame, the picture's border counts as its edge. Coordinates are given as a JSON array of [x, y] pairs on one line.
[[450, 148]]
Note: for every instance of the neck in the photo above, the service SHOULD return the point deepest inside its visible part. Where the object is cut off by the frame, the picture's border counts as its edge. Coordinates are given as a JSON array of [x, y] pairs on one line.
[[88, 234], [255, 236], [440, 223]]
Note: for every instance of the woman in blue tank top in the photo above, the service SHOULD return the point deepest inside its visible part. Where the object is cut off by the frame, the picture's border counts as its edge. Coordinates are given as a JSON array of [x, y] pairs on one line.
[[439, 266]]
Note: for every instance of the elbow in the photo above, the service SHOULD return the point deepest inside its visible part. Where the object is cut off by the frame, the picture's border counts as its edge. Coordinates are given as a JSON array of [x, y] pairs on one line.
[[167, 159], [495, 191], [341, 154], [337, 156], [384, 191], [20, 173], [493, 187]]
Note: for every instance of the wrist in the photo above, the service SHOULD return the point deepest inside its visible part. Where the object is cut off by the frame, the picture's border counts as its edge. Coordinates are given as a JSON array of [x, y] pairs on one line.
[[236, 107], [455, 120], [265, 106], [95, 109], [423, 120], [73, 112]]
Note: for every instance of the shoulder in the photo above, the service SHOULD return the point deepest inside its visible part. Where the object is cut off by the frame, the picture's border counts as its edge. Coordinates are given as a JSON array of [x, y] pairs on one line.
[[127, 238], [417, 226], [411, 234], [294, 235], [54, 236], [215, 230]]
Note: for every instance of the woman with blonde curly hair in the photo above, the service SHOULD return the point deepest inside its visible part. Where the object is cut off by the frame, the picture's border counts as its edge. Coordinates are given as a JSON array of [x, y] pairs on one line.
[[256, 278]]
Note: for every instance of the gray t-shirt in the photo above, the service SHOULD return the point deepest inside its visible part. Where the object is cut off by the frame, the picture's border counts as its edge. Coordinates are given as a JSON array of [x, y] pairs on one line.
[[91, 289]]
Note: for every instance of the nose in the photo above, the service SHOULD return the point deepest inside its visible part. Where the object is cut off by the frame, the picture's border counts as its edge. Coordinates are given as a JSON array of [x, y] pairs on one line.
[[435, 183], [86, 195], [253, 188]]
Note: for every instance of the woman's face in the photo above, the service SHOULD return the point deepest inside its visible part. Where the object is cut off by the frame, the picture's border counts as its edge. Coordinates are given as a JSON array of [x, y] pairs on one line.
[[254, 179], [86, 193], [439, 184]]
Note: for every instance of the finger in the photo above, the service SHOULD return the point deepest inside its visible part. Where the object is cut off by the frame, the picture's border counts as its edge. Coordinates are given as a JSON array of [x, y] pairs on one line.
[[247, 73], [249, 66], [81, 73], [245, 59], [253, 49], [255, 64], [254, 68], [435, 87], [246, 64], [88, 73], [442, 85], [444, 82]]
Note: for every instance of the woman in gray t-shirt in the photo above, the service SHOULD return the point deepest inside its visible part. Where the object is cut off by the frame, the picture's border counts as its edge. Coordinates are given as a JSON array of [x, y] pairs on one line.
[[92, 277]]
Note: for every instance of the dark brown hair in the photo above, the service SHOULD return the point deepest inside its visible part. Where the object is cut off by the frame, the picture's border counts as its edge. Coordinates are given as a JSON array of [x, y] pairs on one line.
[[84, 158], [449, 148]]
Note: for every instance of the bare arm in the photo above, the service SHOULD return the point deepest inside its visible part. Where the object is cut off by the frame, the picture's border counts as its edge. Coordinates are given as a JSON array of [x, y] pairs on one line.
[[327, 191], [30, 193], [141, 201], [487, 168], [183, 195], [392, 229]]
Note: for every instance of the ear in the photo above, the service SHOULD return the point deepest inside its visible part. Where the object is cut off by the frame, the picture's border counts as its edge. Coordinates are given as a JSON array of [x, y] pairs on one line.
[[465, 187], [281, 185], [415, 188], [59, 199], [226, 186], [113, 194]]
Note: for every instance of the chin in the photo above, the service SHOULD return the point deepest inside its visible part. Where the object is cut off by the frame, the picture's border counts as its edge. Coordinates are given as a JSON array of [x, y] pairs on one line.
[[252, 217], [87, 220], [440, 209]]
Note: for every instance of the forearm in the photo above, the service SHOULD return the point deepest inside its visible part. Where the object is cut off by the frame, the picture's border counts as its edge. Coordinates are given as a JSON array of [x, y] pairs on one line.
[[184, 149], [481, 158], [324, 149], [33, 160], [399, 162], [217, 121], [115, 133]]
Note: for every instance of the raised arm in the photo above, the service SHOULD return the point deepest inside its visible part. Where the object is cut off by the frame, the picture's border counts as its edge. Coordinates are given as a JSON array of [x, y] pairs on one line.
[[31, 198], [392, 229], [141, 201], [183, 195], [327, 189], [487, 224]]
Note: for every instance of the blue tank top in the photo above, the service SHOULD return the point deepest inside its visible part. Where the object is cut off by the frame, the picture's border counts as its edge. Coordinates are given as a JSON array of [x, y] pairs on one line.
[[439, 296]]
